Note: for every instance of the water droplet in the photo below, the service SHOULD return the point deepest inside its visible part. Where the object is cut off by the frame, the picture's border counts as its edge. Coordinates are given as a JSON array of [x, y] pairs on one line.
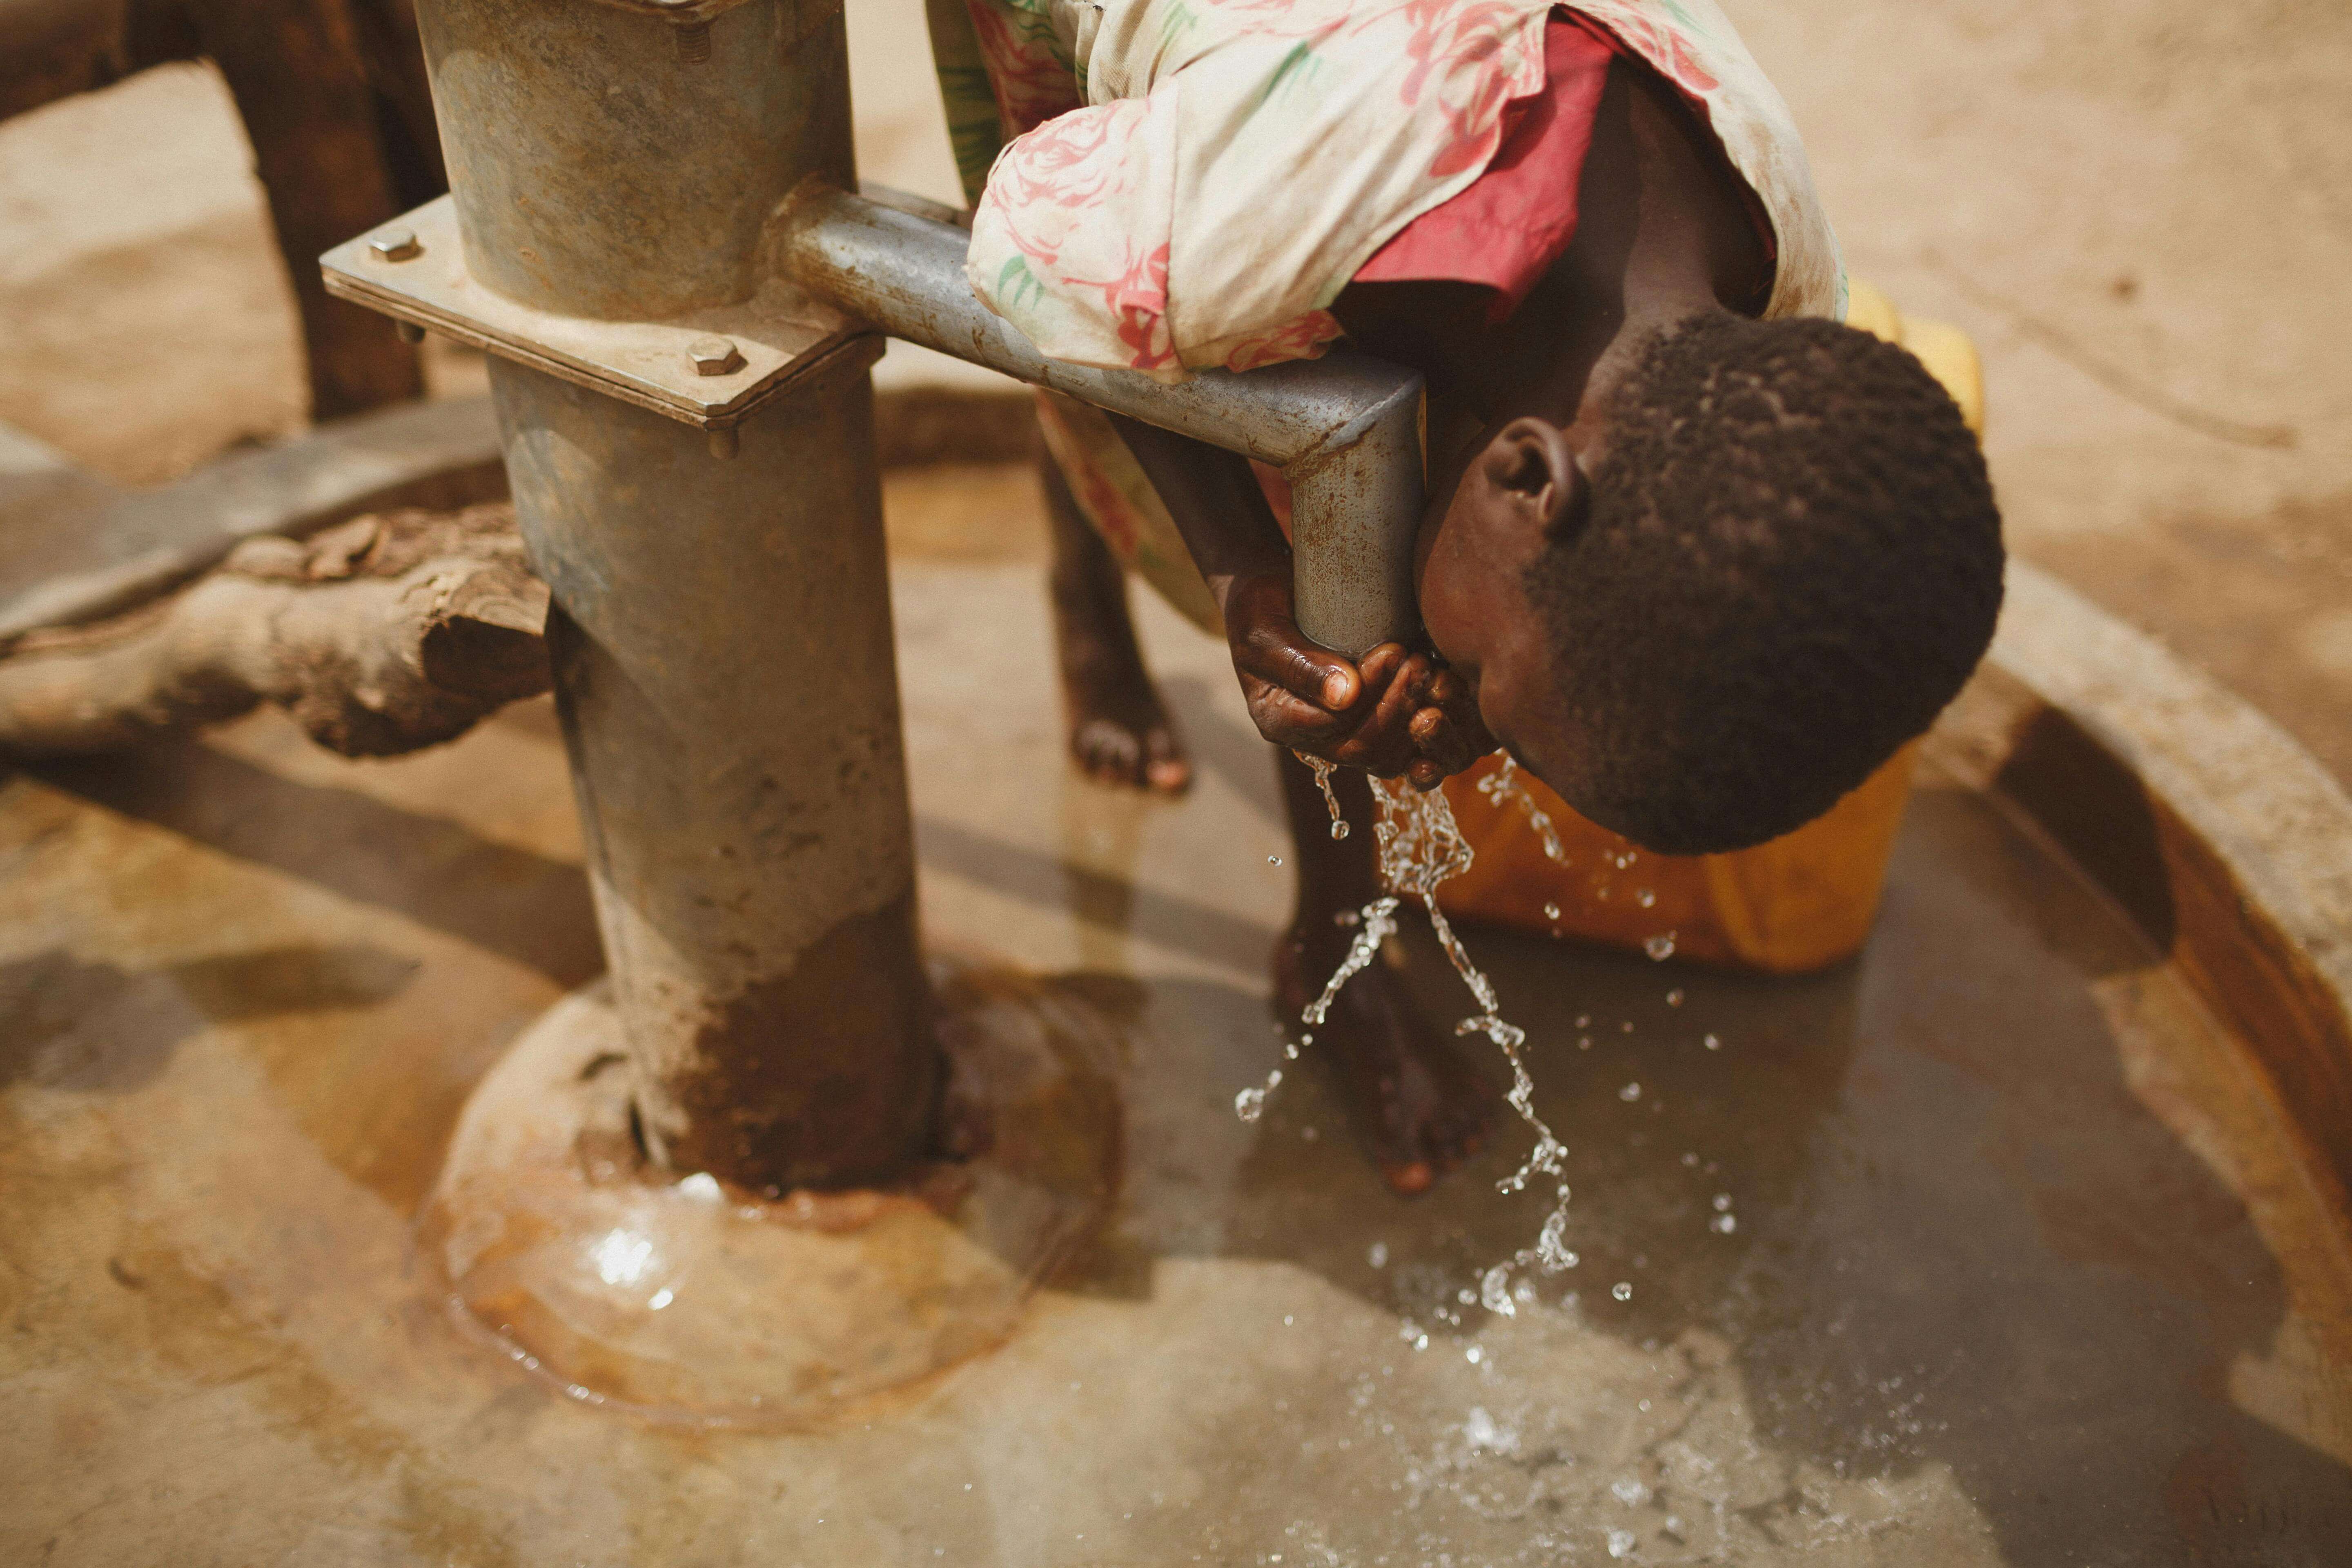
[[1290, 1051], [1647, 898], [1674, 997], [1722, 1201], [621, 1257], [1584, 1020], [1659, 947], [1570, 1259], [1629, 1491], [1378, 1255], [1273, 859], [1622, 1291], [1474, 1355], [1714, 1042], [1584, 1042], [1691, 1159], [1630, 1093], [1724, 1224], [1421, 1342], [1286, 1320], [1495, 1291], [1551, 911], [662, 1298], [1621, 1543], [1466, 1295], [1249, 1104], [1483, 1431]]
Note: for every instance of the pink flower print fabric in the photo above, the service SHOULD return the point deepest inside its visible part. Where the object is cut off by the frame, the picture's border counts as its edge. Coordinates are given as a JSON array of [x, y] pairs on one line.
[[1234, 163], [1190, 182]]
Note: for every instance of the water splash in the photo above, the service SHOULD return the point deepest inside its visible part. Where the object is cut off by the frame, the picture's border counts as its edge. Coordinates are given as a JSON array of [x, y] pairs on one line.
[[1420, 848], [1322, 768], [1249, 1104], [1504, 783]]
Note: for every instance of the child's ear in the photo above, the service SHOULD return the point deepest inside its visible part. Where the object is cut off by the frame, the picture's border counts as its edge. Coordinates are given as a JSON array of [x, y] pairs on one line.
[[1533, 472]]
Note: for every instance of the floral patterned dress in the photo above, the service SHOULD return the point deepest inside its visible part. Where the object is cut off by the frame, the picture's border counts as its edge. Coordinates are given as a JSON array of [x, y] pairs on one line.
[[1167, 185]]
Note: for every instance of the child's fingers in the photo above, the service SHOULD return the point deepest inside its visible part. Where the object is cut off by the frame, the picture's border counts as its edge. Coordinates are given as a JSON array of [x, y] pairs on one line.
[[1441, 741], [1458, 700], [1288, 717], [1382, 744], [1271, 647], [1275, 652]]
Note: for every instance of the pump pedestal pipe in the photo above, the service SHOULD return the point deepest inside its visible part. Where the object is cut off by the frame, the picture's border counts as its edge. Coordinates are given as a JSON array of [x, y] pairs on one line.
[[651, 234]]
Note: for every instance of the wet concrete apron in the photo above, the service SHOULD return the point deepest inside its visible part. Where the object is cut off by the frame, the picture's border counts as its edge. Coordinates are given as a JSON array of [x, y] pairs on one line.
[[2014, 1272]]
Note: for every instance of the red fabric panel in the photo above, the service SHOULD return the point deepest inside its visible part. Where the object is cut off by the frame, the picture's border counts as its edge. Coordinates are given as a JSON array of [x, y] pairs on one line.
[[1507, 227]]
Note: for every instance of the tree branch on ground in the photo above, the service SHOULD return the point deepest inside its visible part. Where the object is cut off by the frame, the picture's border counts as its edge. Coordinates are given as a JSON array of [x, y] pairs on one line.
[[382, 634]]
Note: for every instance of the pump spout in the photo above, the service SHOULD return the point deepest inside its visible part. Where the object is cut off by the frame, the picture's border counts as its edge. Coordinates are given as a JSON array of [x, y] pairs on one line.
[[1344, 429]]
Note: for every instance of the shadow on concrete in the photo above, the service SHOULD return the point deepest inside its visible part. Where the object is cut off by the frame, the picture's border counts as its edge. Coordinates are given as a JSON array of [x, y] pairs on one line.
[[95, 1027], [530, 909], [1110, 903]]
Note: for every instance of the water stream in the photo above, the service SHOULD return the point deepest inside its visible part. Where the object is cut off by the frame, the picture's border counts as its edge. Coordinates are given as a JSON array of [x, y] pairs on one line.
[[1420, 848]]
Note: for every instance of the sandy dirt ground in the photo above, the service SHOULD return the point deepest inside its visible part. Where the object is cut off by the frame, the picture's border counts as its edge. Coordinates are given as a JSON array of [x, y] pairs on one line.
[[2141, 209]]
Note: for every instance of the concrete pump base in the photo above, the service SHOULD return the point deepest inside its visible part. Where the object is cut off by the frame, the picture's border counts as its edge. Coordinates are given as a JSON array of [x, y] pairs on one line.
[[674, 1296]]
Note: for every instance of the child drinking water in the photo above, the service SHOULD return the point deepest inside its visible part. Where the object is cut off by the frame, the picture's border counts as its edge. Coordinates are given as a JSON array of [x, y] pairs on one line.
[[1697, 555]]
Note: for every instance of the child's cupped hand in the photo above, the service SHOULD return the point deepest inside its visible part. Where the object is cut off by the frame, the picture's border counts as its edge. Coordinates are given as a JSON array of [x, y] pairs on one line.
[[1394, 712]]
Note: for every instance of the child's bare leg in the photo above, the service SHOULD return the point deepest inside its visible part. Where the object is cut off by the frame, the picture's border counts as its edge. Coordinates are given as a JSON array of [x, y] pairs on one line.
[[1118, 729], [1418, 1103]]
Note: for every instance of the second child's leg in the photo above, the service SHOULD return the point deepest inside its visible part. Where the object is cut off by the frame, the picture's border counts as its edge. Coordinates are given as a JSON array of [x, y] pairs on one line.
[[1412, 1096], [1118, 731]]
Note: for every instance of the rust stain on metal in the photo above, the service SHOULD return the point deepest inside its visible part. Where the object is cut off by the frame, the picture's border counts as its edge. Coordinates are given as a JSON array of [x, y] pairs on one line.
[[828, 1076]]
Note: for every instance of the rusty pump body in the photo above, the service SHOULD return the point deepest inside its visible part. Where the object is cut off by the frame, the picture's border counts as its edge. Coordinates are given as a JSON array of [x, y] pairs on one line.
[[650, 231]]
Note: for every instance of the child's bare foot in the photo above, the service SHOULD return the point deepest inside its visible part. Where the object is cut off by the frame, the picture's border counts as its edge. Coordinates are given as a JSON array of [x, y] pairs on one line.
[[1410, 1093], [1119, 733]]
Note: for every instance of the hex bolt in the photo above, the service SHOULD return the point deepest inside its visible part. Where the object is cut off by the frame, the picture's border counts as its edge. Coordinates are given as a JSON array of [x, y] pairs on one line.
[[714, 356], [396, 245]]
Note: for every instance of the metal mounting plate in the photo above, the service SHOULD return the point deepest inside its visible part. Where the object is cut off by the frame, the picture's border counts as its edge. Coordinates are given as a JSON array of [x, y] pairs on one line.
[[778, 331]]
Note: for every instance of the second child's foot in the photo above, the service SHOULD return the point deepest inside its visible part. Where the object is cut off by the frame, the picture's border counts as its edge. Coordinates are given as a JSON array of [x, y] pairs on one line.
[[1119, 733], [1412, 1096]]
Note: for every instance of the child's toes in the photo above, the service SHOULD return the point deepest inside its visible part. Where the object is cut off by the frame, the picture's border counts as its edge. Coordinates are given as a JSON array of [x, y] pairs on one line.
[[1166, 768], [1107, 750]]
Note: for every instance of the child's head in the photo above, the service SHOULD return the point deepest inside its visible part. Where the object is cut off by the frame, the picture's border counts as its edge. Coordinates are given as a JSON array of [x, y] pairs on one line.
[[1769, 560]]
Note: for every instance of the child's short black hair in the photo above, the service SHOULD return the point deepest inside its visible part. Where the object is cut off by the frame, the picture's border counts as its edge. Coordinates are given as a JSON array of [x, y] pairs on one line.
[[1790, 561]]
